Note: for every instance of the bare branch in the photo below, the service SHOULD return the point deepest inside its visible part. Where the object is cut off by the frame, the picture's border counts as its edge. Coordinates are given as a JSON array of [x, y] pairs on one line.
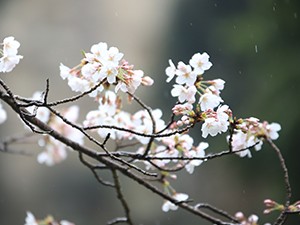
[[121, 197], [283, 215]]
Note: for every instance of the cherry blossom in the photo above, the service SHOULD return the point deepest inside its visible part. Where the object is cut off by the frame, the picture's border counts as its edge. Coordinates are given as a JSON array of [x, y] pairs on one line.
[[216, 122], [170, 71], [99, 50], [196, 152], [171, 206], [185, 75], [272, 130], [209, 100], [218, 84], [200, 62], [10, 46], [106, 66], [184, 93], [30, 219], [8, 62], [9, 58], [241, 140], [250, 132]]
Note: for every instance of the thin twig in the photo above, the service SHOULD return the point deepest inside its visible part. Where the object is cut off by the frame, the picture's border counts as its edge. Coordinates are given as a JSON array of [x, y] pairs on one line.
[[93, 169], [121, 197], [283, 215]]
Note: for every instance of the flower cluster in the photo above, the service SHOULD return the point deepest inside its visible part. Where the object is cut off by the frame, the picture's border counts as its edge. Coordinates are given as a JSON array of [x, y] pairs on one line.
[[55, 151], [49, 220], [251, 220], [191, 86], [9, 54], [110, 114], [250, 132], [103, 74], [101, 68], [171, 149]]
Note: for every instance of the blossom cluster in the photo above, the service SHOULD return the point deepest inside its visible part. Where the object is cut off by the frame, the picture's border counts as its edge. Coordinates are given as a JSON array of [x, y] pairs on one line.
[[198, 98], [101, 68], [55, 151], [251, 132], [49, 220], [110, 114], [9, 54], [251, 220], [104, 75]]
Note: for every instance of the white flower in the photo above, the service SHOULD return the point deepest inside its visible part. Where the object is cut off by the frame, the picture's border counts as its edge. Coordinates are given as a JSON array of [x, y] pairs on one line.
[[197, 152], [10, 46], [170, 71], [185, 74], [209, 100], [131, 81], [64, 71], [241, 140], [216, 123], [110, 72], [55, 153], [184, 93], [3, 115], [253, 219], [171, 206], [217, 83], [99, 50], [112, 56], [8, 62], [200, 62], [77, 84], [91, 71], [30, 219], [272, 130], [9, 58], [147, 81]]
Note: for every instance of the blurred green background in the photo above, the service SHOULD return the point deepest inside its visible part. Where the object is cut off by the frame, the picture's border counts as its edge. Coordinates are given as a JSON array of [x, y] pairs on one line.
[[254, 46]]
